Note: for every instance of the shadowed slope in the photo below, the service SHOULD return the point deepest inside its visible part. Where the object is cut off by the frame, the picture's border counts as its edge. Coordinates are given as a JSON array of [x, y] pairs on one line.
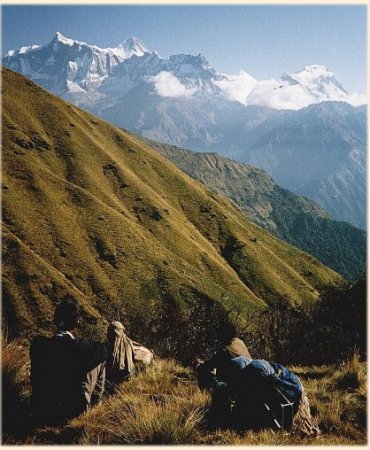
[[91, 211]]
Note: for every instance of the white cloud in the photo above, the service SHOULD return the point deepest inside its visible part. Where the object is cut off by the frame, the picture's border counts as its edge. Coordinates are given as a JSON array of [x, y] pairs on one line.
[[277, 95], [243, 88], [270, 93], [237, 87], [356, 99], [167, 85]]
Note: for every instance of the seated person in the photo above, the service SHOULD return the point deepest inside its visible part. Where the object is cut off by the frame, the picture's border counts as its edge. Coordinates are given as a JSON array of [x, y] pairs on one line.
[[121, 357], [215, 369], [229, 347], [260, 389], [67, 374]]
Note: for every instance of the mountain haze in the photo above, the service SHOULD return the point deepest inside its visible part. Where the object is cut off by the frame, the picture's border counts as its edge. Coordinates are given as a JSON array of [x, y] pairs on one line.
[[305, 129], [318, 152], [292, 218], [93, 212]]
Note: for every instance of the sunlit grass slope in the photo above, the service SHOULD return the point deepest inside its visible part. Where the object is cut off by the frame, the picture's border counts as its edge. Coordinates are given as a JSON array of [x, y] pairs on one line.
[[91, 211]]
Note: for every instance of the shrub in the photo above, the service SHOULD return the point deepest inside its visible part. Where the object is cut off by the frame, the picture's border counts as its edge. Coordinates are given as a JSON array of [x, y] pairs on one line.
[[328, 331]]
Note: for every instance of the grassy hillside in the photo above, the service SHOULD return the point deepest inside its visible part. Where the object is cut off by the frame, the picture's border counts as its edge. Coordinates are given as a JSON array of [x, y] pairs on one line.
[[93, 212], [293, 218]]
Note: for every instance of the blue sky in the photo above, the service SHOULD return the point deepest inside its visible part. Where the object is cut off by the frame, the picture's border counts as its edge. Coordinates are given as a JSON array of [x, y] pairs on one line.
[[265, 41]]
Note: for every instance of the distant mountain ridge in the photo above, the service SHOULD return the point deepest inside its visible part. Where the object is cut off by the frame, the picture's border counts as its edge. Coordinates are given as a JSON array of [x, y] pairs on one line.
[[292, 218], [301, 128], [318, 152], [85, 67]]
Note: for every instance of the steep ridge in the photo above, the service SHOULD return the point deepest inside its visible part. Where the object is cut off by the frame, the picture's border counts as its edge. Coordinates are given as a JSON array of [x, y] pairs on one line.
[[91, 211], [295, 219]]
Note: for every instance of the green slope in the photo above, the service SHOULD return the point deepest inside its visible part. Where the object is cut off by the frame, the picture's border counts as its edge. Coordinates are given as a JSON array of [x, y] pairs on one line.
[[293, 218], [91, 211]]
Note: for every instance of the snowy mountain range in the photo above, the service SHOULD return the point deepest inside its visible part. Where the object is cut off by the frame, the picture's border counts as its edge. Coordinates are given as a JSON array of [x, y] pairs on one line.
[[304, 129], [70, 67]]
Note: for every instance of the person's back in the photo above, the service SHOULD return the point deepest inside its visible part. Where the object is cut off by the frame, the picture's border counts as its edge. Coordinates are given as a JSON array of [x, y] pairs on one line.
[[56, 377], [212, 373], [66, 373]]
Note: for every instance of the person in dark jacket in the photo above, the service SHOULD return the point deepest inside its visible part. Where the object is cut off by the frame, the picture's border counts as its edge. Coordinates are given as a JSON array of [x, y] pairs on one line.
[[67, 374], [229, 347], [214, 371]]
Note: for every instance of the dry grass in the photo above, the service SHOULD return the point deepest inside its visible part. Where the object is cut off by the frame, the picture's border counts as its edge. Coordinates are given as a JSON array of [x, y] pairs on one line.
[[161, 406], [338, 397], [164, 406], [16, 391]]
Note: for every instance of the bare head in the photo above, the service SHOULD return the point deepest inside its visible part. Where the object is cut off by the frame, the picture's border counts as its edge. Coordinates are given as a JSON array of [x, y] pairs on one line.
[[67, 315], [226, 332]]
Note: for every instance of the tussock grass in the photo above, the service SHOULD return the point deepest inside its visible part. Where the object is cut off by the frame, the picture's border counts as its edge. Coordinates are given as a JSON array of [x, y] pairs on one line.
[[338, 398], [160, 406], [351, 375], [16, 390], [164, 406]]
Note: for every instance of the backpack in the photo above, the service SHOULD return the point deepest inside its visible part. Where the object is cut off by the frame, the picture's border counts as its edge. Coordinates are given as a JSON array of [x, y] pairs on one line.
[[287, 382], [268, 394], [262, 378], [142, 354]]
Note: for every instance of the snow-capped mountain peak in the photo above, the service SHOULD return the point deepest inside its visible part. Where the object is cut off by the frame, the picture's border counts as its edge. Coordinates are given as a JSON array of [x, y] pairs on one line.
[[128, 48], [313, 84], [318, 81], [134, 46], [21, 51], [59, 37], [70, 66], [74, 69], [316, 70]]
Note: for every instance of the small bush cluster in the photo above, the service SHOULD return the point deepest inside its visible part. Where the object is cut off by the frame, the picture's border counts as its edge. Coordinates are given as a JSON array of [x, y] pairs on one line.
[[328, 331], [311, 333], [182, 332]]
